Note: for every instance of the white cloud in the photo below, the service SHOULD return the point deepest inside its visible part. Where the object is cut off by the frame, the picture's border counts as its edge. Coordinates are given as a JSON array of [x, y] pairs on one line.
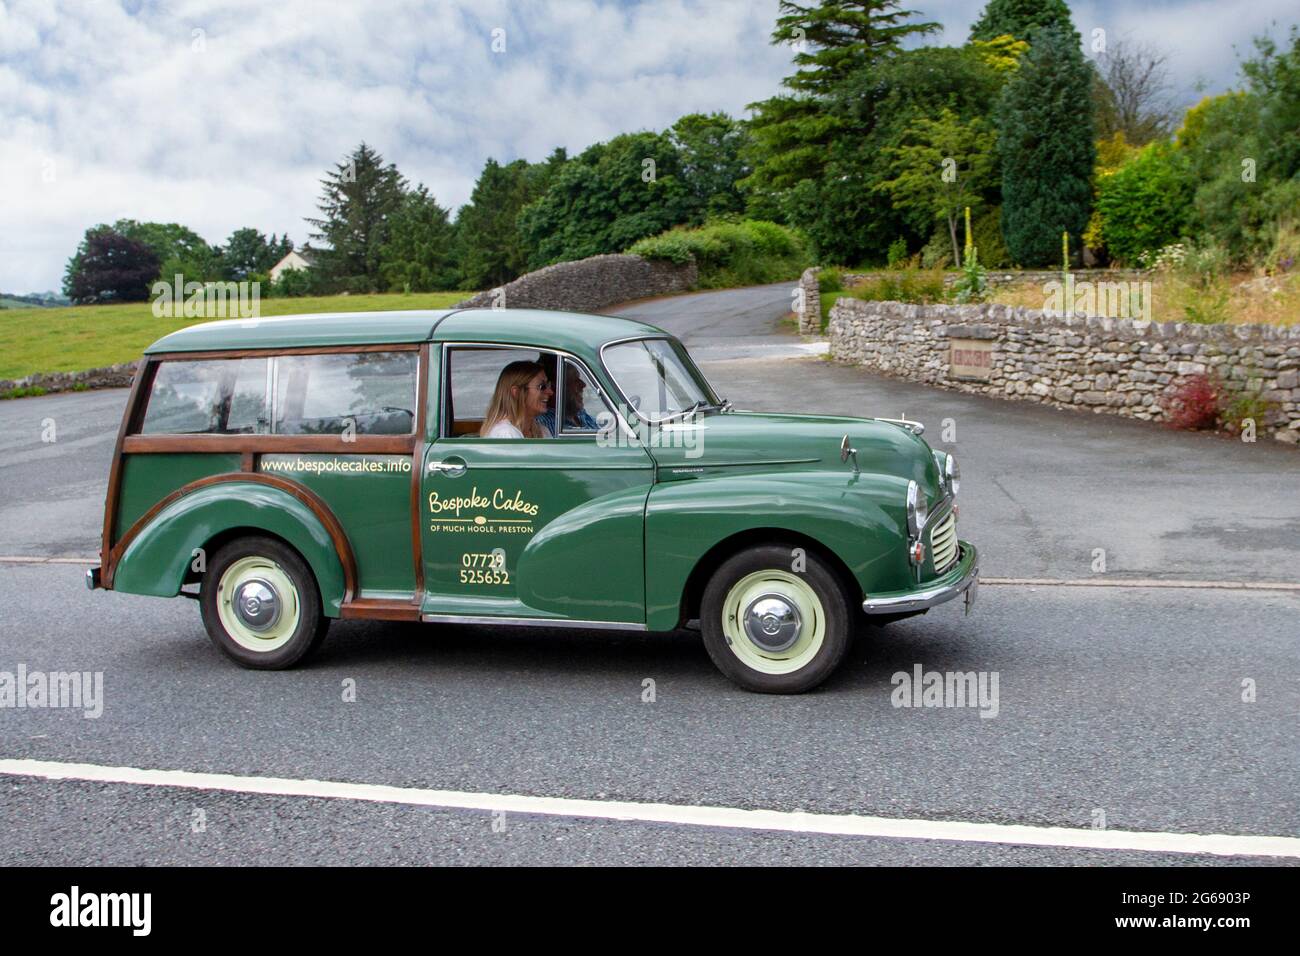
[[110, 111], [105, 114]]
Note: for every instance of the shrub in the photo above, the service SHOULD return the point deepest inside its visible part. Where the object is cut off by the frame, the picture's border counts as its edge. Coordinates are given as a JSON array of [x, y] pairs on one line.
[[26, 391], [907, 285], [748, 252], [290, 283], [830, 279], [1193, 402], [896, 257], [1247, 403], [986, 233], [1144, 204], [973, 285], [1285, 246], [937, 253], [1205, 291]]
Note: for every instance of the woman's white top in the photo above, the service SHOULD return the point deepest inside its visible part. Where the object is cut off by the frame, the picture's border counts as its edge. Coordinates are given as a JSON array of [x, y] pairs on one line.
[[504, 429]]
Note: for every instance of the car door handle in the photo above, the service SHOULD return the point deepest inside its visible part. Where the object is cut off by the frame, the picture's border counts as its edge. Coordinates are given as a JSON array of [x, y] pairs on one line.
[[451, 467]]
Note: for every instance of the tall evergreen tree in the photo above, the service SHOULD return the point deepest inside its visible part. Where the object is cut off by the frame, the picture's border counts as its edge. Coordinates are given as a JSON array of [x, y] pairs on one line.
[[491, 249], [1019, 18], [1045, 140], [834, 39], [358, 198], [418, 256]]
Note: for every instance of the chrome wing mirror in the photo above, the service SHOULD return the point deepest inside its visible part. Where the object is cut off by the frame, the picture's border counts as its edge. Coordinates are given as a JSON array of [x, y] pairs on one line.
[[848, 451]]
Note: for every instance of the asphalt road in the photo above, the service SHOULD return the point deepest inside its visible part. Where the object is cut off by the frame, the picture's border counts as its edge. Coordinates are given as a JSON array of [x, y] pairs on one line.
[[1123, 701]]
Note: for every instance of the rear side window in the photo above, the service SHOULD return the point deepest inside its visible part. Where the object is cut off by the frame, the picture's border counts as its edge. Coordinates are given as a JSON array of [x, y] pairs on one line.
[[209, 397], [362, 393], [357, 393]]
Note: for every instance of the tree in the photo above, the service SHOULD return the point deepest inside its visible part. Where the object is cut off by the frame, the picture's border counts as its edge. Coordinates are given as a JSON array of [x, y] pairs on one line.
[[833, 40], [418, 256], [845, 214], [943, 168], [358, 197], [248, 252], [181, 250], [1019, 18], [1133, 93], [1143, 205], [607, 198], [1244, 157], [711, 149], [110, 267], [492, 252], [1045, 140]]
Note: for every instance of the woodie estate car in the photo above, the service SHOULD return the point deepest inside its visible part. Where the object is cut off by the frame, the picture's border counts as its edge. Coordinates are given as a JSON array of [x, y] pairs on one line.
[[288, 471]]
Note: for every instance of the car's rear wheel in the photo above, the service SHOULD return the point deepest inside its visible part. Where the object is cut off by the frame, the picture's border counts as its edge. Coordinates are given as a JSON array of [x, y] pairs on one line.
[[261, 605], [774, 629]]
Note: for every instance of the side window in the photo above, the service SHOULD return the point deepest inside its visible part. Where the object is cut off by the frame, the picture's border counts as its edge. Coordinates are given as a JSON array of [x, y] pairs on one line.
[[364, 393], [208, 397], [584, 410], [472, 378]]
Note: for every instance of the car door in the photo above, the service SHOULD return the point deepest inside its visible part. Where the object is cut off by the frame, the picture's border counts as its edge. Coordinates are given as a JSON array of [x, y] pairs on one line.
[[531, 528]]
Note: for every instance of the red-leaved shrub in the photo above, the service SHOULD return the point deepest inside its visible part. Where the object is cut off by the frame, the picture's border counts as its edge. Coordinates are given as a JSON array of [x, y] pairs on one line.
[[1193, 402]]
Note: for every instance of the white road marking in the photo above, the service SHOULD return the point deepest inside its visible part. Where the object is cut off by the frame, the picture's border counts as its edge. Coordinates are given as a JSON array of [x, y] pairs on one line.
[[1141, 583], [1215, 844]]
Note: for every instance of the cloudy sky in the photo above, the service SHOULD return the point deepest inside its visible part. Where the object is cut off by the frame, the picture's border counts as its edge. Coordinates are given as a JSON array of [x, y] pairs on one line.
[[224, 114]]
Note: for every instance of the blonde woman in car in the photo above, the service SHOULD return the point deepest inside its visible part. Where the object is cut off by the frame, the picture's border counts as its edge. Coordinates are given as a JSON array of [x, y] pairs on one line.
[[523, 392]]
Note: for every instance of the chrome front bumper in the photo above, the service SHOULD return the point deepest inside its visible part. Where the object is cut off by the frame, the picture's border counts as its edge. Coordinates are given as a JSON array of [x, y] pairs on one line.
[[963, 579]]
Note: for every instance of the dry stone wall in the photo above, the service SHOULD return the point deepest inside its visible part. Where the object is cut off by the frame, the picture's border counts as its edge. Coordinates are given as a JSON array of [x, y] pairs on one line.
[[1120, 366], [110, 376], [589, 284], [809, 310]]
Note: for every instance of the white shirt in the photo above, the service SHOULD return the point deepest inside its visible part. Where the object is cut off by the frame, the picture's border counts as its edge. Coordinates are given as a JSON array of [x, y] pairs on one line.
[[504, 429]]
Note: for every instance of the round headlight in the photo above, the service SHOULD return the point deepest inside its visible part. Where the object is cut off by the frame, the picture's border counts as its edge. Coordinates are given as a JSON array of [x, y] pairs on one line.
[[952, 475], [917, 508]]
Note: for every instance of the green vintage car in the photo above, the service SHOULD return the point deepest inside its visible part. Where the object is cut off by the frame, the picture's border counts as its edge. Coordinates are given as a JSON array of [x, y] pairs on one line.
[[285, 472]]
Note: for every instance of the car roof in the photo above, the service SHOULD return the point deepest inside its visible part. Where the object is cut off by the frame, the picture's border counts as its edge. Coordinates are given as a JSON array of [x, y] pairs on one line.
[[572, 331]]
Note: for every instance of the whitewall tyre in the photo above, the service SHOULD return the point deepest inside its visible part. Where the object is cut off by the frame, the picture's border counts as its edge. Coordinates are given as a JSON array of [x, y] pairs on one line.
[[261, 605], [773, 629]]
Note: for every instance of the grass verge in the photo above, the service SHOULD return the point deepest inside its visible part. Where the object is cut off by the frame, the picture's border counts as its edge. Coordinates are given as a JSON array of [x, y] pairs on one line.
[[92, 336]]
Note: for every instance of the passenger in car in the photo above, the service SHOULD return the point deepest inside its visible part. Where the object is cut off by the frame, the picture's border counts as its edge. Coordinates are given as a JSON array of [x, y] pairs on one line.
[[575, 416], [522, 393]]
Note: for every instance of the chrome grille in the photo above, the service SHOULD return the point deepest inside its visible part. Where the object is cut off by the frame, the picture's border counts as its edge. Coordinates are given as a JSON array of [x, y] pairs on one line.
[[943, 543]]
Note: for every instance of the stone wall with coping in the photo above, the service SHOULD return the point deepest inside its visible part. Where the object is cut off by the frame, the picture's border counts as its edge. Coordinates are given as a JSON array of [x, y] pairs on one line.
[[1119, 366], [589, 284]]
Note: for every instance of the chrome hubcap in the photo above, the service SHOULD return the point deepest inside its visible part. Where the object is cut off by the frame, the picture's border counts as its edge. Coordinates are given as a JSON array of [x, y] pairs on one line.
[[772, 622], [256, 605]]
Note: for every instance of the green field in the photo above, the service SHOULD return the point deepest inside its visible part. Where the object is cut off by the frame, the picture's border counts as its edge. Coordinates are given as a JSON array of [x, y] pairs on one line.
[[89, 336]]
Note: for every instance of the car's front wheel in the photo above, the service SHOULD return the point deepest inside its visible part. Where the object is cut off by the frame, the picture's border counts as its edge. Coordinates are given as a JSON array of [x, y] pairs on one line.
[[776, 620], [261, 605]]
